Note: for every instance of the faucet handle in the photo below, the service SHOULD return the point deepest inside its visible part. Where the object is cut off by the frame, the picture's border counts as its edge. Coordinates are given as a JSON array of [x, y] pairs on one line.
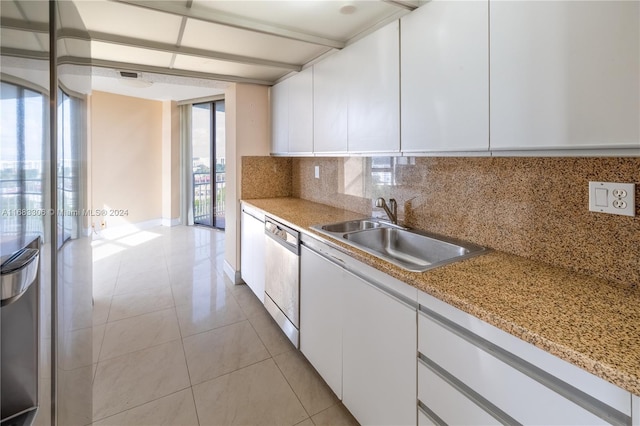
[[380, 202]]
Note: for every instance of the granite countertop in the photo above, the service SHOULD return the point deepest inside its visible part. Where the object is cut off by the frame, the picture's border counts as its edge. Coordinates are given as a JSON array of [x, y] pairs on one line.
[[586, 321]]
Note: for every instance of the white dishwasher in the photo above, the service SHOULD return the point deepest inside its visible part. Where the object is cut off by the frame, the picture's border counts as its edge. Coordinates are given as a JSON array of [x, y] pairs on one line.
[[282, 277]]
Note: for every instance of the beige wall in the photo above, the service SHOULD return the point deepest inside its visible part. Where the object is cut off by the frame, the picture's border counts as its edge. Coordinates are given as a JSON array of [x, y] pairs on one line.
[[126, 158], [248, 134], [170, 163]]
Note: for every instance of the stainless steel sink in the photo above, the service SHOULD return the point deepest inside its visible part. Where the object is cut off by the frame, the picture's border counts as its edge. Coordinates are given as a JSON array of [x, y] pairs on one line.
[[410, 249], [351, 226]]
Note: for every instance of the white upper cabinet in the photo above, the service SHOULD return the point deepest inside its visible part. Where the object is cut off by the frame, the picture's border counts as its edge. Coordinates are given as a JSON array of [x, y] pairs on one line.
[[301, 112], [280, 118], [445, 77], [330, 103], [292, 115], [374, 92], [565, 74]]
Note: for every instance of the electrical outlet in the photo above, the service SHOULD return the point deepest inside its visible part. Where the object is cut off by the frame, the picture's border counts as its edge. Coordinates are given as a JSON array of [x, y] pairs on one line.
[[613, 198], [317, 172]]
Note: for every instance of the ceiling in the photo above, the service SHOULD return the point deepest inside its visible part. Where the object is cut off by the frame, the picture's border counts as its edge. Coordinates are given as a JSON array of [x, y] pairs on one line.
[[215, 42]]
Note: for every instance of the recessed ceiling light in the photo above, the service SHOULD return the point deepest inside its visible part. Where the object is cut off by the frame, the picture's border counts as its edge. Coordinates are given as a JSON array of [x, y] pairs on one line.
[[348, 9]]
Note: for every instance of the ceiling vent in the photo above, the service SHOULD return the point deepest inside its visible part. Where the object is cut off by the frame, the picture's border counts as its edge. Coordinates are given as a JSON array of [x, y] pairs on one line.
[[128, 74]]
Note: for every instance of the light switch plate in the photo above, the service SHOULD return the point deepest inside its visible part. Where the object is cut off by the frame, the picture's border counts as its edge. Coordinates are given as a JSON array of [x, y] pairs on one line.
[[613, 198], [316, 172]]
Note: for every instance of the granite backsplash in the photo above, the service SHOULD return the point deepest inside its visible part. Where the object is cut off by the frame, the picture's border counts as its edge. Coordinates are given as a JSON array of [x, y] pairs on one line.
[[532, 207]]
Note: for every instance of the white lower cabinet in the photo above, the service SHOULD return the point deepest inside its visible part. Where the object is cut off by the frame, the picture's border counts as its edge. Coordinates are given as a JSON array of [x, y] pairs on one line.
[[464, 362], [452, 406], [252, 249], [321, 316], [395, 362], [379, 367], [360, 339]]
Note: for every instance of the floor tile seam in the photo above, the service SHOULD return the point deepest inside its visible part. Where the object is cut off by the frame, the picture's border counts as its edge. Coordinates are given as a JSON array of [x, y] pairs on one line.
[[106, 321], [137, 350], [129, 293], [291, 387], [195, 406], [216, 328], [138, 315], [233, 371], [186, 360], [308, 418], [122, 274], [99, 351], [140, 405], [140, 350], [213, 277], [263, 342], [146, 313]]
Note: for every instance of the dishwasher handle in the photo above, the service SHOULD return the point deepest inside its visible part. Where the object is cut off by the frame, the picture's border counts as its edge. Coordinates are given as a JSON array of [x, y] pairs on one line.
[[283, 235]]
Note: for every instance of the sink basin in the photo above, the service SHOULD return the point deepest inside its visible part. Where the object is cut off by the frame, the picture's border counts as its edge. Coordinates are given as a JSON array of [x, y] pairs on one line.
[[351, 226], [410, 249]]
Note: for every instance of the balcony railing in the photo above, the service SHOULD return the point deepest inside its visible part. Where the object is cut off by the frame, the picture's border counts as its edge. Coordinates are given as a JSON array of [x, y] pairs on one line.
[[203, 211]]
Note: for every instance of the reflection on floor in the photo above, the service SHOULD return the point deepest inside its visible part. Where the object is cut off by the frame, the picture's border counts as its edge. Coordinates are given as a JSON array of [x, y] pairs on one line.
[[177, 344]]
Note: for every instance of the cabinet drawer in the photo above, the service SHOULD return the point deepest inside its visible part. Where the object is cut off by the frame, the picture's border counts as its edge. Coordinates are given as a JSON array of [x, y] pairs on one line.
[[520, 396], [447, 403], [423, 420]]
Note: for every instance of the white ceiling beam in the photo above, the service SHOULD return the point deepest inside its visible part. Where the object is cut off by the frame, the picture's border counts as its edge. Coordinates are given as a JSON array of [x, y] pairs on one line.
[[232, 21], [22, 25], [172, 48], [404, 4], [126, 66]]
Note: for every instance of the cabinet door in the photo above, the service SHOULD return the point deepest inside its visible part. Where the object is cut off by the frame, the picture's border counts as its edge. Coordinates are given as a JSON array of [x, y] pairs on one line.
[[252, 248], [445, 77], [565, 74], [330, 104], [301, 112], [374, 91], [379, 355], [280, 118], [321, 316]]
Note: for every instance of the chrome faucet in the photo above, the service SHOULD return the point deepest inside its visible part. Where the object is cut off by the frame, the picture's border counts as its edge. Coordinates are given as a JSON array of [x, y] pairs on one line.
[[393, 213]]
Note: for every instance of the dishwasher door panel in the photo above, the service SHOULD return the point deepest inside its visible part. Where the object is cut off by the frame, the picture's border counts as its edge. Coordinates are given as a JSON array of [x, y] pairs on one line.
[[282, 280]]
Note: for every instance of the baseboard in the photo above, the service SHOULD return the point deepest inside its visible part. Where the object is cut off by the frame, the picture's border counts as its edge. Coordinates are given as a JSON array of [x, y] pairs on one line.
[[232, 274], [170, 222]]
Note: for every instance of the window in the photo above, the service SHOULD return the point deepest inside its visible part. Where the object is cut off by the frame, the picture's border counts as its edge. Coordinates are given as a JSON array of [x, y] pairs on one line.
[[22, 167]]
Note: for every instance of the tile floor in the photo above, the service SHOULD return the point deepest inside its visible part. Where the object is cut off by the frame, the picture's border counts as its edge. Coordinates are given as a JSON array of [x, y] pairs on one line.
[[175, 343]]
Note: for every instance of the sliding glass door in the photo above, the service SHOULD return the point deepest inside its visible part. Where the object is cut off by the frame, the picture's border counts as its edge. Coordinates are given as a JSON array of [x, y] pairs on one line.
[[208, 162]]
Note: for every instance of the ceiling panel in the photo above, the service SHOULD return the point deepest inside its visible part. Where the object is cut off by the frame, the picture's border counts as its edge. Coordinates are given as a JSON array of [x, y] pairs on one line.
[[228, 68], [24, 40], [225, 39], [8, 9], [317, 17], [34, 11], [77, 48], [130, 21], [134, 55]]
